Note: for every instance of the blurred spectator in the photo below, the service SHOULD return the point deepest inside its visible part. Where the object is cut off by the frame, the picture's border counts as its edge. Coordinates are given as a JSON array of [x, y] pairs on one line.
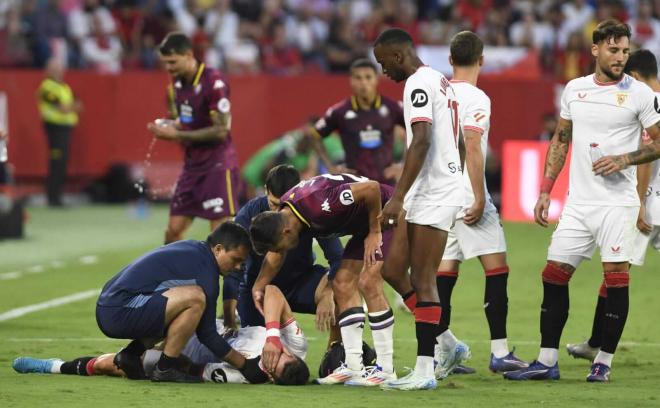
[[474, 12], [531, 33], [278, 56], [100, 50], [439, 31], [494, 30], [342, 49], [574, 61], [154, 27], [549, 126], [14, 47], [222, 25], [406, 19], [129, 19], [307, 31], [49, 27], [646, 28], [577, 14], [90, 19]]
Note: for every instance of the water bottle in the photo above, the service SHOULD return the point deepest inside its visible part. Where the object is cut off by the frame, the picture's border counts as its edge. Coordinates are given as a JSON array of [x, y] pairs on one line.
[[3, 150], [596, 153]]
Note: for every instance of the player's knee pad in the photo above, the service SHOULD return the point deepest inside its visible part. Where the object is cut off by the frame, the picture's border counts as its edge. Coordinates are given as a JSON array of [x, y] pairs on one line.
[[555, 275], [617, 279], [502, 270]]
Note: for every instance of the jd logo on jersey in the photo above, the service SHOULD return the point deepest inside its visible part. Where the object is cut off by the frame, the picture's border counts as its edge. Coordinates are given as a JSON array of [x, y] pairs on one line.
[[656, 105], [419, 98]]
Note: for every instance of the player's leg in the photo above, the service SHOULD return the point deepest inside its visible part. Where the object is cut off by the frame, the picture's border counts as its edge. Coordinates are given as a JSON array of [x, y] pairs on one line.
[[396, 264], [350, 318], [572, 242], [216, 195], [215, 223], [589, 348], [177, 225]]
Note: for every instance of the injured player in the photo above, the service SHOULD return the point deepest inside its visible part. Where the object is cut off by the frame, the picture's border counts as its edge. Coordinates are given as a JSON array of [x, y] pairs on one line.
[[281, 344]]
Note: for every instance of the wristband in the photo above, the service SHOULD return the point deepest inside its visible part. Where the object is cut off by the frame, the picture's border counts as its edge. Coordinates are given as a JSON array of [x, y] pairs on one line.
[[547, 184], [273, 334]]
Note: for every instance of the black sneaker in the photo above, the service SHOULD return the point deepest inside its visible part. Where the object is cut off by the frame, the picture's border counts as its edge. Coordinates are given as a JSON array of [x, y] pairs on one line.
[[173, 375], [130, 364]]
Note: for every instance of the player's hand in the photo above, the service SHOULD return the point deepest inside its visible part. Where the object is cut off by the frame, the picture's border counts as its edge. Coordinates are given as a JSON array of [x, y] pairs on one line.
[[258, 298], [341, 169], [372, 245], [230, 331], [391, 213], [608, 165], [541, 209], [393, 171], [474, 213], [163, 132], [642, 225], [270, 355], [325, 313]]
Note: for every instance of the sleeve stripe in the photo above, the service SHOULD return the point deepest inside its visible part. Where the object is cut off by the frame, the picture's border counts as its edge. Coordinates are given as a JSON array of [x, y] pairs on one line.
[[421, 119], [474, 129]]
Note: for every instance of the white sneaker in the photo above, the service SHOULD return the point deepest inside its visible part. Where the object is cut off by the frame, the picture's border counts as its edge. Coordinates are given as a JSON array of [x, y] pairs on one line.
[[411, 382], [447, 361], [340, 375], [373, 376]]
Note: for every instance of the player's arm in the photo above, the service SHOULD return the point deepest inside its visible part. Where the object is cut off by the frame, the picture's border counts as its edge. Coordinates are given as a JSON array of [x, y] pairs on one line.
[[474, 160], [319, 148], [230, 287], [649, 152], [325, 305], [270, 267], [368, 192], [554, 162], [276, 311], [218, 131]]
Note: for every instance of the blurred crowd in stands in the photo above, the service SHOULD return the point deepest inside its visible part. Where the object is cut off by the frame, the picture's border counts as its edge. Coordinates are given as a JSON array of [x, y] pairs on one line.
[[287, 37]]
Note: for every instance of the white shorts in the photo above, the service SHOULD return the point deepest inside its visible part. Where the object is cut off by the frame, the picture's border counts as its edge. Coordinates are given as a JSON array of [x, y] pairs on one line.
[[469, 241], [440, 217], [642, 241], [581, 228]]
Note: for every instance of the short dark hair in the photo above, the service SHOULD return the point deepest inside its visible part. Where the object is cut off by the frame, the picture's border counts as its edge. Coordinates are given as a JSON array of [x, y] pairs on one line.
[[265, 230], [281, 179], [644, 63], [610, 29], [175, 43], [230, 235], [466, 48], [393, 36], [294, 373], [363, 63]]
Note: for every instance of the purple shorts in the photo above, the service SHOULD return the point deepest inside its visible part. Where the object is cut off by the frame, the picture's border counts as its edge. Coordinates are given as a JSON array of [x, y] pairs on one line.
[[354, 248], [212, 194]]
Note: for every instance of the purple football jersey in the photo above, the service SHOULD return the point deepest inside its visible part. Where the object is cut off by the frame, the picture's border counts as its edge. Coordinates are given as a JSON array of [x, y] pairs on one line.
[[326, 205], [194, 104], [367, 135]]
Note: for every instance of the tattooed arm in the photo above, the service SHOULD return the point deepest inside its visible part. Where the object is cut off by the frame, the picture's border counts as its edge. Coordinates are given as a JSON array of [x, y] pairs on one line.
[[554, 162], [611, 164]]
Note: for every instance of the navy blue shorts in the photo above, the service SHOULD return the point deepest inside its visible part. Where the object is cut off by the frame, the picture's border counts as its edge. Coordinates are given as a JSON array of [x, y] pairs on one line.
[[146, 320], [300, 297]]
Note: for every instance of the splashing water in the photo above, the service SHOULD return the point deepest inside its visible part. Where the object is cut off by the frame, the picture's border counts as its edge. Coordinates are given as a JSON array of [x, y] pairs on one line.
[[140, 183]]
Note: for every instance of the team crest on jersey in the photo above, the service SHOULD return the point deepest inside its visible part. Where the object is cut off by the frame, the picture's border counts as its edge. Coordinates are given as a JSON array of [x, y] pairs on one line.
[[215, 203], [224, 105], [350, 115], [346, 197], [621, 98], [383, 111], [325, 206]]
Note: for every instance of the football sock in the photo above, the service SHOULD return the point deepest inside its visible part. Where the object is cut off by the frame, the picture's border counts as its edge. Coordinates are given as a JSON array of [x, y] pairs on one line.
[[496, 302], [445, 282], [427, 316], [604, 358], [410, 300], [446, 340], [382, 330], [56, 367], [499, 348], [135, 347], [554, 309], [596, 339], [424, 366], [351, 325], [548, 356], [77, 366], [166, 362], [616, 314]]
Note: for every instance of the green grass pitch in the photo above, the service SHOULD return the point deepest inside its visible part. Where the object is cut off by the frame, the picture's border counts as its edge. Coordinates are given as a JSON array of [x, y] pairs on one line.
[[76, 250]]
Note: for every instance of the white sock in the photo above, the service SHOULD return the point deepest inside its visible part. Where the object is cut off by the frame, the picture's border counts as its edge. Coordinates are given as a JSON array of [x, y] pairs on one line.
[[604, 358], [548, 356], [424, 366], [499, 348], [55, 369], [223, 373], [351, 327], [382, 331], [447, 340]]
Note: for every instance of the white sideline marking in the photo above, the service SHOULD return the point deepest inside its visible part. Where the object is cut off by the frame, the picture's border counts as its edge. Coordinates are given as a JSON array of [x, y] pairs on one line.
[[88, 259], [56, 264], [10, 275], [21, 311]]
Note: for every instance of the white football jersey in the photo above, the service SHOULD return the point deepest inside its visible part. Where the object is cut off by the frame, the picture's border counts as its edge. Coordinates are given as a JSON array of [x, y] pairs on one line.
[[474, 114], [607, 115], [653, 194], [428, 96], [250, 341]]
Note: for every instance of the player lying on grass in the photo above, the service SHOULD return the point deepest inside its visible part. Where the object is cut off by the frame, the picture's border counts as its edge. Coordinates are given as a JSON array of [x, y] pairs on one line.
[[281, 343], [642, 66], [169, 294], [304, 283], [338, 205]]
